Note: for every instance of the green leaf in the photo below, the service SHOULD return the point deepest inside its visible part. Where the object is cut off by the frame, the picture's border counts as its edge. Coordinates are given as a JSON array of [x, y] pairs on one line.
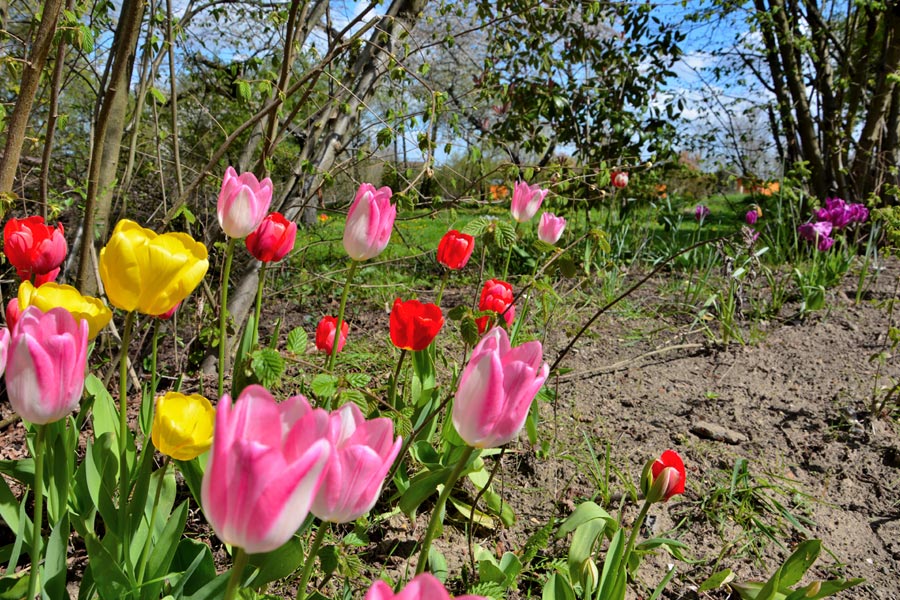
[[557, 588], [329, 557], [324, 385], [193, 561], [241, 378], [14, 587], [799, 562], [53, 574], [716, 580], [157, 95], [421, 487], [353, 397], [106, 417], [111, 581], [164, 551], [268, 366], [297, 340], [278, 563], [358, 380]]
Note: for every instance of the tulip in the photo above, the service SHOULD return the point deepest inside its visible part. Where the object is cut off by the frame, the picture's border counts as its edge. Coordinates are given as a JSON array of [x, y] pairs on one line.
[[325, 335], [421, 587], [12, 313], [47, 358], [50, 295], [362, 454], [273, 239], [551, 227], [369, 222], [455, 249], [751, 217], [526, 201], [264, 469], [182, 425], [34, 248], [150, 273], [664, 478], [619, 179], [496, 389], [4, 348], [414, 325], [243, 202], [701, 212], [496, 296]]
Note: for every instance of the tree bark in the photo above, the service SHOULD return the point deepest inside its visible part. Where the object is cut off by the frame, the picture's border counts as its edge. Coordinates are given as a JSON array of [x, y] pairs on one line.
[[108, 138], [31, 76]]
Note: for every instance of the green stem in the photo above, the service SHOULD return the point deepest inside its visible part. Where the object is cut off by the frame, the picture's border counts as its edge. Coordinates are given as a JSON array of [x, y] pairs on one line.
[[154, 376], [506, 266], [311, 559], [145, 554], [437, 516], [223, 313], [392, 395], [440, 294], [340, 320], [259, 293], [635, 529], [124, 479], [241, 559], [36, 539]]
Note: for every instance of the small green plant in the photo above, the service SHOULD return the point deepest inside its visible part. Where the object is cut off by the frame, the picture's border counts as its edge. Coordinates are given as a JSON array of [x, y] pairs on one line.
[[781, 585]]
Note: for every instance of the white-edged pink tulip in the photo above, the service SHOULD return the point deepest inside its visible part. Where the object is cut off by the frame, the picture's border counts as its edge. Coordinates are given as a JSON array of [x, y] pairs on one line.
[[551, 228], [496, 389], [526, 201], [369, 222], [243, 203], [45, 370], [362, 454], [421, 587], [265, 466]]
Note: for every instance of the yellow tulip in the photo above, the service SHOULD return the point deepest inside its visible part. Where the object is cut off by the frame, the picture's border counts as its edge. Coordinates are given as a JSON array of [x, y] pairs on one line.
[[150, 273], [183, 425], [51, 295]]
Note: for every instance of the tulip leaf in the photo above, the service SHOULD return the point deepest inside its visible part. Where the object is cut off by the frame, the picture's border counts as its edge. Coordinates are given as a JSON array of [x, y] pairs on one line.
[[297, 340], [799, 562], [53, 575], [9, 506], [106, 417], [193, 566], [421, 487], [557, 588], [14, 586], [277, 564], [242, 376], [478, 517], [106, 571], [716, 580], [101, 466], [437, 564], [163, 551]]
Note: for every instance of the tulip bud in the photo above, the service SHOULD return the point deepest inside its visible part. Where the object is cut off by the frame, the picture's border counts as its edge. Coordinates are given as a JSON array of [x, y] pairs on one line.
[[496, 296], [619, 179], [243, 202], [663, 478], [182, 425], [325, 335], [369, 222], [273, 239], [526, 201], [455, 249], [550, 228]]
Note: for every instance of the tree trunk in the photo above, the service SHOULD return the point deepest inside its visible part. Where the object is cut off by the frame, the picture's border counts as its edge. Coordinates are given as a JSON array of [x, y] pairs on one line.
[[108, 138], [327, 131], [31, 76]]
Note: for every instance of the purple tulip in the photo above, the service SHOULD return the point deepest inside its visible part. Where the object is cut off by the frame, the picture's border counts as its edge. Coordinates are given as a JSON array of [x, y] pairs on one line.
[[751, 216], [264, 469], [47, 358], [551, 227], [813, 231], [362, 454], [701, 212], [243, 203], [526, 201], [496, 389], [369, 222]]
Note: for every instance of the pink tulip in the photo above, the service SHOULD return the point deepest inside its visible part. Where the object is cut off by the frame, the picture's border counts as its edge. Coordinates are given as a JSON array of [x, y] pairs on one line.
[[47, 358], [526, 201], [422, 587], [551, 227], [496, 389], [243, 202], [362, 453], [265, 467], [4, 348], [273, 239], [369, 222]]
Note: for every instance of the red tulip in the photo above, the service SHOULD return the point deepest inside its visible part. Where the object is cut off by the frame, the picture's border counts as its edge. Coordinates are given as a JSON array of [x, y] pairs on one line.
[[325, 334], [34, 248], [619, 179], [496, 295], [664, 477], [414, 325], [273, 239], [454, 249]]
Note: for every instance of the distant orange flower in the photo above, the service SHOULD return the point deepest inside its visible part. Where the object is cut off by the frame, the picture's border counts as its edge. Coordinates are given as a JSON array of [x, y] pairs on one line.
[[661, 190], [322, 217], [499, 192]]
